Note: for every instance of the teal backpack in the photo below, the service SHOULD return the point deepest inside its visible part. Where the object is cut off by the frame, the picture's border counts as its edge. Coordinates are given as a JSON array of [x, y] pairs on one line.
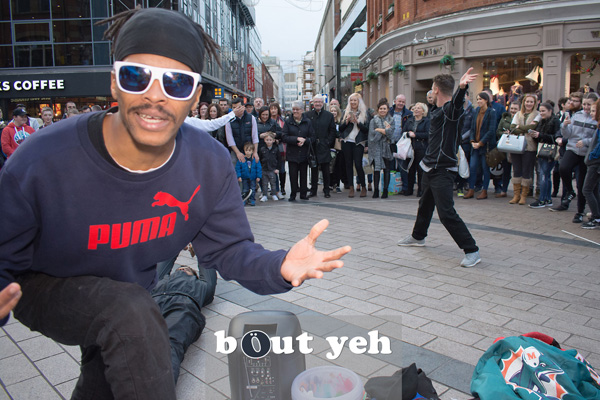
[[533, 367]]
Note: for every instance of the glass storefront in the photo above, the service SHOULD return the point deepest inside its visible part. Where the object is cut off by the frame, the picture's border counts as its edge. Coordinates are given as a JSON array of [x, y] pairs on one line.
[[349, 63]]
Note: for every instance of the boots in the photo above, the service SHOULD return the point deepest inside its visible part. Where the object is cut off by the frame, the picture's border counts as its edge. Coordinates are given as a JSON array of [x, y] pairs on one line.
[[482, 195], [376, 193], [386, 184], [351, 192], [524, 191], [363, 191], [517, 190], [470, 194]]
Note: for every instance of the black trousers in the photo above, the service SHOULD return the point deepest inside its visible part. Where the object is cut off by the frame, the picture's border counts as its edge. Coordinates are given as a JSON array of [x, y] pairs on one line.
[[437, 192], [121, 332], [298, 170], [353, 154], [568, 163], [314, 178]]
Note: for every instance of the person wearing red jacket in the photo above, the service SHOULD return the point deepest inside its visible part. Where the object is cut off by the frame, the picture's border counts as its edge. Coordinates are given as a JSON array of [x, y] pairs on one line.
[[15, 132]]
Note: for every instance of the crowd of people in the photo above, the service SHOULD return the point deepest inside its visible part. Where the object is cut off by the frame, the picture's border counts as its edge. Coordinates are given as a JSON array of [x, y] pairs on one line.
[[338, 146]]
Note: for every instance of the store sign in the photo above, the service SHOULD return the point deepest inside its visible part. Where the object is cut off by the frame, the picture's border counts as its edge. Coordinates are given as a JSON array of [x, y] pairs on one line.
[[356, 75], [250, 73], [218, 93], [431, 51], [50, 84], [77, 84]]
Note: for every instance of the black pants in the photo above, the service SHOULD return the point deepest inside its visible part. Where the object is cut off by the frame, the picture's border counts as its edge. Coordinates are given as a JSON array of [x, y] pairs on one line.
[[122, 334], [314, 178], [339, 170], [437, 192], [300, 169], [353, 154], [568, 163], [415, 170]]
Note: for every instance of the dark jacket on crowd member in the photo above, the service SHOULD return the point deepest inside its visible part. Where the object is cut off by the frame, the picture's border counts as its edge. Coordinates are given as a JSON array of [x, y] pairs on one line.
[[487, 132], [291, 132], [363, 129], [500, 109], [504, 125], [420, 128], [269, 158], [405, 113], [549, 129], [241, 129], [465, 128], [324, 125], [269, 126]]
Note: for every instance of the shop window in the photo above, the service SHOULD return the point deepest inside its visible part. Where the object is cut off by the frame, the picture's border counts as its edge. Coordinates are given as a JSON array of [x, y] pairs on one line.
[[101, 54], [36, 55], [70, 9], [32, 32], [160, 4], [99, 8], [30, 9], [72, 31], [73, 54], [98, 30], [6, 57], [123, 5], [4, 11], [5, 36]]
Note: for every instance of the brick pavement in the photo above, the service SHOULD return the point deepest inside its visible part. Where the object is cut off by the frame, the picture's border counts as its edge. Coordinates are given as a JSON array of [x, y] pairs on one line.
[[533, 277]]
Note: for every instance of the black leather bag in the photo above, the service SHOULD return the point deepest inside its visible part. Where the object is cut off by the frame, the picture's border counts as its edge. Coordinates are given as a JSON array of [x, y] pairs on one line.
[[547, 151], [494, 157]]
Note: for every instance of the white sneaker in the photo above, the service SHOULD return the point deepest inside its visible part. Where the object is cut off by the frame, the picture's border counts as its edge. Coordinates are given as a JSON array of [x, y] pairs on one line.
[[274, 197], [263, 199], [411, 241], [471, 260]]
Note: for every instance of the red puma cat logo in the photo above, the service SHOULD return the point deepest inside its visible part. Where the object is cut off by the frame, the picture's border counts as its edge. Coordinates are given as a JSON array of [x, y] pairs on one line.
[[166, 199]]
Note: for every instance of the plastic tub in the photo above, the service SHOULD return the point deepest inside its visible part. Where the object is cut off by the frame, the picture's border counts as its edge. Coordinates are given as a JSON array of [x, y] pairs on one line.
[[329, 382]]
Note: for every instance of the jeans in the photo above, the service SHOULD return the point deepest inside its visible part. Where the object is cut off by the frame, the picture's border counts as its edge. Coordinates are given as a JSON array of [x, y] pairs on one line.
[[591, 189], [478, 163], [269, 178], [248, 184], [545, 168], [125, 351], [437, 192], [353, 155]]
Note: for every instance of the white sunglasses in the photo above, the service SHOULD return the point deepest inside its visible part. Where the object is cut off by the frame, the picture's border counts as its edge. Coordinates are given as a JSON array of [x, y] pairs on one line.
[[137, 78]]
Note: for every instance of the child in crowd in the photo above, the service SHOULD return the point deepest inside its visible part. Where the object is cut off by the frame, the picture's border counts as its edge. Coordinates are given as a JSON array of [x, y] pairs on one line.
[[270, 159], [249, 173]]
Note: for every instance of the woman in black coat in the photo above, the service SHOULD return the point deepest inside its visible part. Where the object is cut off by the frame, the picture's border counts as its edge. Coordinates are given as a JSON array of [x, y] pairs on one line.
[[264, 124], [417, 128], [299, 135]]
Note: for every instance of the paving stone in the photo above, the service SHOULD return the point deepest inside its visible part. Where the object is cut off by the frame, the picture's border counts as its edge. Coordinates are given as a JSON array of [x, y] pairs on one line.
[[529, 316], [191, 388], [455, 350], [204, 366], [242, 297], [582, 343], [16, 369], [359, 319], [40, 347], [455, 334], [322, 294], [542, 300], [66, 388], [34, 388], [59, 368], [525, 327], [439, 316], [8, 347], [226, 308], [321, 306], [511, 301], [18, 332]]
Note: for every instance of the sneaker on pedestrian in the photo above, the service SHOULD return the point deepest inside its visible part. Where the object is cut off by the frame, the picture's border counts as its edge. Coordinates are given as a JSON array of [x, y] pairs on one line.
[[471, 260], [460, 193], [548, 203], [592, 224], [252, 203], [538, 204], [578, 218], [338, 189], [560, 207], [411, 241], [263, 199], [274, 197]]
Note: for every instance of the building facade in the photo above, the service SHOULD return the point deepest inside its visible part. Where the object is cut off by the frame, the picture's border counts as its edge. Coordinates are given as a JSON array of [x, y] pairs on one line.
[[274, 67], [52, 52], [308, 78], [550, 46], [291, 92]]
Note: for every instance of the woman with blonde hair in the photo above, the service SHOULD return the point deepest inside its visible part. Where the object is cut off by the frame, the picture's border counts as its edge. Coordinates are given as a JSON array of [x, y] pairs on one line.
[[417, 128], [354, 131], [525, 120]]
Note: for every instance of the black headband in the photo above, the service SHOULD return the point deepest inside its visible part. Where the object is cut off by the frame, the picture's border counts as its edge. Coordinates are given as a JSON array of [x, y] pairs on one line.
[[164, 33]]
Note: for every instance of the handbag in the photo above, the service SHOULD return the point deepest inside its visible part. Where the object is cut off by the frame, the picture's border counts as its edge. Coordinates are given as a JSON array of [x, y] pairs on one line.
[[547, 151], [312, 158], [514, 144], [494, 157], [404, 146], [464, 171]]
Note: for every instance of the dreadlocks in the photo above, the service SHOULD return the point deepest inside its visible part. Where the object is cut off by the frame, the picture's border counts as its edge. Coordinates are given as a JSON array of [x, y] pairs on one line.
[[118, 20]]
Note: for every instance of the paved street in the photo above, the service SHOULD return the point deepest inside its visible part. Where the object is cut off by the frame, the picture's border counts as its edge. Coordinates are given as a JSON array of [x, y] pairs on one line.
[[533, 277]]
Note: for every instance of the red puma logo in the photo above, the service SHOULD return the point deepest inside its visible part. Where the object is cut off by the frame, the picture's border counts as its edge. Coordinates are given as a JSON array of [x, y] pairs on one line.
[[166, 199]]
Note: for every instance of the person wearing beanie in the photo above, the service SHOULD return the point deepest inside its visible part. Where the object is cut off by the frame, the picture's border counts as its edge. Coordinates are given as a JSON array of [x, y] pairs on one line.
[[97, 201]]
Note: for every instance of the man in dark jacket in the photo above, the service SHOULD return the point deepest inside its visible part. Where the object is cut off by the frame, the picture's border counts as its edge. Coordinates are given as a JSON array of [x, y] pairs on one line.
[[440, 169], [400, 114], [180, 297], [324, 126]]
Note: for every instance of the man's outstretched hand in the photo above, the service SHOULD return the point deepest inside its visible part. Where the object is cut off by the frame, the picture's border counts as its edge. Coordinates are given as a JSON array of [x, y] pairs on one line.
[[9, 297], [304, 261], [467, 78]]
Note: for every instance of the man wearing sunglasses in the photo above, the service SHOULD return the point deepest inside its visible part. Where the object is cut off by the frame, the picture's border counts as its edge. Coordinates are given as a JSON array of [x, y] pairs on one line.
[[96, 201]]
